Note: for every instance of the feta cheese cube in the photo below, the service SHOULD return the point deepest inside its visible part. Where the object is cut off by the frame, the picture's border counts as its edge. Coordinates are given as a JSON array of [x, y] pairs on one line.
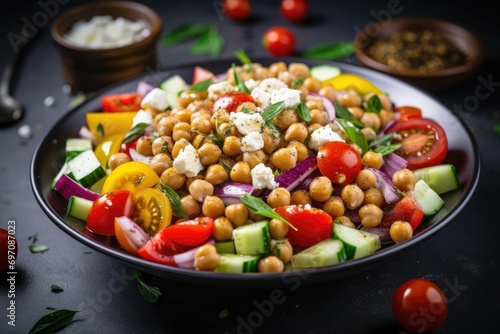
[[142, 117], [323, 135], [262, 177], [270, 84], [252, 142], [246, 123], [188, 162], [220, 88], [156, 99], [291, 97], [262, 97]]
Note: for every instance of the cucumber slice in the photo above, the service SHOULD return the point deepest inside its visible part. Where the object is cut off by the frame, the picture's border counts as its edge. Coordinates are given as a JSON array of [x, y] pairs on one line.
[[225, 247], [252, 239], [86, 169], [174, 86], [429, 201], [357, 243], [64, 170], [79, 207], [237, 263], [325, 72], [75, 146], [441, 178], [325, 253]]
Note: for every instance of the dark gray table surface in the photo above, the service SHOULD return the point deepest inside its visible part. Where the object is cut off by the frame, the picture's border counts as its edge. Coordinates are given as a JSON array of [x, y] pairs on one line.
[[462, 259]]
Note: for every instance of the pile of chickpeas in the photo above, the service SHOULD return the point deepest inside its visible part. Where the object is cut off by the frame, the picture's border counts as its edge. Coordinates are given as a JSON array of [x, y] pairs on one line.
[[193, 122]]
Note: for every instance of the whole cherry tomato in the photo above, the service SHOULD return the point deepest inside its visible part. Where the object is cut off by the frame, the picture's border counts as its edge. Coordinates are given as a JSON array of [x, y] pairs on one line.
[[339, 162], [104, 210], [279, 41], [8, 250], [238, 10], [294, 10], [419, 306]]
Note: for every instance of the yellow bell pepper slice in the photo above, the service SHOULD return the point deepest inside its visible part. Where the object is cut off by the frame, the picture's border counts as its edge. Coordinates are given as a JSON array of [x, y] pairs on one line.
[[108, 147], [348, 80], [112, 123]]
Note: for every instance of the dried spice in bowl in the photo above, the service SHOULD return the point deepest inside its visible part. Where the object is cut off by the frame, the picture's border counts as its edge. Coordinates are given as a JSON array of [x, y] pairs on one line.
[[423, 51]]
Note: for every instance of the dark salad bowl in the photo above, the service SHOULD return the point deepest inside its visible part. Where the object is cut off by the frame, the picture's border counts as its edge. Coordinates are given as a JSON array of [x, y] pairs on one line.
[[463, 154]]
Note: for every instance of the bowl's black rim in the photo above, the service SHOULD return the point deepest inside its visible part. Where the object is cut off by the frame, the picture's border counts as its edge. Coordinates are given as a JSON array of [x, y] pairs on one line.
[[252, 280]]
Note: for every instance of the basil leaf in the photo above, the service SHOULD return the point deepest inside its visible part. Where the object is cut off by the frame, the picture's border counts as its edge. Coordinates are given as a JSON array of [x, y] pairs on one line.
[[164, 148], [496, 128], [297, 82], [223, 314], [201, 86], [258, 206], [373, 104], [150, 293], [135, 132], [272, 111], [209, 42], [239, 82], [355, 136], [100, 130], [303, 111], [384, 140], [329, 51], [174, 199], [34, 248], [387, 149], [56, 288], [183, 32], [242, 57], [342, 112], [52, 322]]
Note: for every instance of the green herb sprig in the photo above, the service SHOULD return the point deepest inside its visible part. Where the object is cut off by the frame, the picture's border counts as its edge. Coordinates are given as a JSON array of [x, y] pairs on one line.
[[149, 292], [53, 322], [135, 132], [174, 199], [258, 206], [208, 39], [330, 51]]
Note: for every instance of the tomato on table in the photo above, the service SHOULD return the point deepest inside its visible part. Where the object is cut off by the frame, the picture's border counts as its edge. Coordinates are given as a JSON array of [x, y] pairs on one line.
[[132, 176], [8, 249], [419, 306], [237, 10], [294, 10], [231, 101], [191, 232], [339, 162], [279, 41], [405, 113], [406, 209], [313, 224], [104, 210], [424, 142], [121, 102], [152, 210]]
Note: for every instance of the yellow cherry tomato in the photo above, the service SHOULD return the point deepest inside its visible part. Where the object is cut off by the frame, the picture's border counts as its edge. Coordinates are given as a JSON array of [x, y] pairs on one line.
[[132, 176], [152, 210], [107, 124], [348, 80], [108, 147]]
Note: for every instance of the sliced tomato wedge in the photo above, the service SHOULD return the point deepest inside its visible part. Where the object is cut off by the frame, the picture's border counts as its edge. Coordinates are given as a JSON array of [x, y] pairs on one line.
[[406, 209], [152, 210], [405, 113], [150, 252], [200, 74], [424, 142], [121, 102], [130, 235], [132, 176], [104, 210], [313, 225], [231, 101], [190, 233]]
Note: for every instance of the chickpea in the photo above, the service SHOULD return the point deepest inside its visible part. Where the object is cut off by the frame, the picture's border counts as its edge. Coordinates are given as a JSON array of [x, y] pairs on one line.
[[312, 84], [371, 119], [352, 195], [144, 146], [213, 207], [262, 73], [160, 163], [385, 117], [319, 116], [344, 220], [248, 106], [187, 97], [320, 188], [117, 159], [370, 215], [200, 189], [254, 158], [202, 124], [299, 70], [400, 231], [271, 143], [314, 126], [296, 131], [350, 99], [286, 118], [199, 140], [241, 173], [166, 124], [278, 229], [302, 150], [356, 112], [270, 264], [159, 116], [216, 174], [334, 206], [369, 133], [366, 179], [190, 179], [314, 102], [374, 196], [277, 67], [285, 158], [237, 214], [373, 159], [356, 148], [172, 179], [300, 197], [178, 146], [209, 153], [223, 229], [232, 146], [184, 115], [386, 102], [282, 249], [219, 117], [182, 130], [190, 206], [162, 144], [278, 197], [286, 77], [206, 258], [404, 179]]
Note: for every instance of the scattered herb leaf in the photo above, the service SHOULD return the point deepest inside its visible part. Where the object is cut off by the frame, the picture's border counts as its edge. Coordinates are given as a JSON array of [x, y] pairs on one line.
[[373, 104], [164, 148], [135, 132], [496, 128], [210, 42], [34, 248], [258, 206], [150, 293], [239, 82], [223, 314], [175, 200], [201, 86], [272, 111], [343, 112], [304, 112], [330, 51], [297, 82], [56, 288], [242, 56], [384, 140], [387, 149], [183, 32], [52, 322], [100, 130], [356, 136]]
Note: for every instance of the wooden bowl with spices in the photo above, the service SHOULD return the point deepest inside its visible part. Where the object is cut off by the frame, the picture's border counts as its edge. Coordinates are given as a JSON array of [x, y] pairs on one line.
[[432, 54]]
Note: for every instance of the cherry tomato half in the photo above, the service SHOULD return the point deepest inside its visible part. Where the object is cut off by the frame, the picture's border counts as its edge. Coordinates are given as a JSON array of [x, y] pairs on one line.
[[339, 162], [313, 225], [279, 41], [132, 176], [406, 210], [152, 210], [104, 210], [405, 113], [237, 10], [121, 102], [8, 250], [231, 101], [192, 232], [424, 142], [294, 10], [419, 306]]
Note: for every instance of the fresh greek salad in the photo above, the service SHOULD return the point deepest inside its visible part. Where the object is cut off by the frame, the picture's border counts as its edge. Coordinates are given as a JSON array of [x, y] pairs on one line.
[[258, 169]]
